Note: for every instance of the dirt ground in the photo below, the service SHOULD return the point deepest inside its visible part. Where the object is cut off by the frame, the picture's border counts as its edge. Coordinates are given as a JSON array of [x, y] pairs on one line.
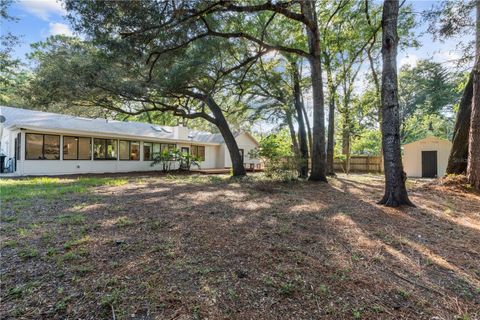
[[208, 247]]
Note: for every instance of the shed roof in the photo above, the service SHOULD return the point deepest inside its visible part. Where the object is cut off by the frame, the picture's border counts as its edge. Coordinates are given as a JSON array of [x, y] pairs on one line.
[[427, 139]]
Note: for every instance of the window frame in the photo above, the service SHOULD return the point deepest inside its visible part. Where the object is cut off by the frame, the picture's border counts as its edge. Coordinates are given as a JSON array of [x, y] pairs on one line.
[[129, 149], [106, 149], [60, 155], [78, 148], [195, 153], [151, 150]]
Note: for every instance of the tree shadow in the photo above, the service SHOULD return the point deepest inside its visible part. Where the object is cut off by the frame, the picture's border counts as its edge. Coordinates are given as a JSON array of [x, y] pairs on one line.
[[243, 249]]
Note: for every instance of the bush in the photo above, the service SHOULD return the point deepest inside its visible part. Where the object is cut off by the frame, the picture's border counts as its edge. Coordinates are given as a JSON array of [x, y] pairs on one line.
[[276, 153], [169, 158]]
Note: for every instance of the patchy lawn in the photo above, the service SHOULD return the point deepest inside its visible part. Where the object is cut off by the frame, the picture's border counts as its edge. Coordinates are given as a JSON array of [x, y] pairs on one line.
[[193, 247]]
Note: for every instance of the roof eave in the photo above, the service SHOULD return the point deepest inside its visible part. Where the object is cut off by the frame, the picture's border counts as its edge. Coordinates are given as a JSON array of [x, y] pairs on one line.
[[106, 134]]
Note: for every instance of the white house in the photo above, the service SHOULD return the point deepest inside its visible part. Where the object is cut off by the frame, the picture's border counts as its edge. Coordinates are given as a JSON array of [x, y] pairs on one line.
[[41, 143], [427, 158]]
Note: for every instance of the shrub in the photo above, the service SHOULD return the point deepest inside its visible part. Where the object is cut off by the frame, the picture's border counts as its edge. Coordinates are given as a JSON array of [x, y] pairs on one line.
[[276, 153], [169, 158]]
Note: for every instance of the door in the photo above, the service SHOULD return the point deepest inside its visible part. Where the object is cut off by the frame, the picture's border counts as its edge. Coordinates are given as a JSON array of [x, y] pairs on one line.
[[429, 164]]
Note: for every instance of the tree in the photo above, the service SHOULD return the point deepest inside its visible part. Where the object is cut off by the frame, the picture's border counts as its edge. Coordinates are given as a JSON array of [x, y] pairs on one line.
[[112, 74], [457, 160], [302, 133], [395, 190], [428, 90], [275, 89], [448, 19], [473, 164], [148, 21], [11, 75]]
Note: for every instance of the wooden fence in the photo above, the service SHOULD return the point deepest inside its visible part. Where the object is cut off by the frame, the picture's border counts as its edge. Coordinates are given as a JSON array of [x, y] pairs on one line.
[[371, 164]]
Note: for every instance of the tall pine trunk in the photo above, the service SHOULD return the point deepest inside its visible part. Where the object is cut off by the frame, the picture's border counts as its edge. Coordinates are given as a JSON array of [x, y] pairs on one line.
[[302, 133], [457, 161], [331, 118], [473, 165], [318, 143], [395, 190], [293, 134], [331, 136], [307, 124]]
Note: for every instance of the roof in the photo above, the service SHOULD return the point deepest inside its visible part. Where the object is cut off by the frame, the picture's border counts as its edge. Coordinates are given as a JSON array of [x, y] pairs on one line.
[[427, 139], [17, 117]]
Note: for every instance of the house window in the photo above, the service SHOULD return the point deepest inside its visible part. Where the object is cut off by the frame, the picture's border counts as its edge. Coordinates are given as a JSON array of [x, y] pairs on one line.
[[156, 149], [134, 150], [198, 151], [104, 149], [167, 146], [129, 150], [42, 147], [147, 151], [76, 148]]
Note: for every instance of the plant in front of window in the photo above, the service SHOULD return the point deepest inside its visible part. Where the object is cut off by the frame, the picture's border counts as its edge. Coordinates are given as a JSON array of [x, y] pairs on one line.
[[165, 158], [187, 161]]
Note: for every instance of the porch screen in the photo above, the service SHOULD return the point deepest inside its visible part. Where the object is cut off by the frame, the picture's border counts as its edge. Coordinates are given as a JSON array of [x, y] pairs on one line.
[[104, 149], [76, 148], [42, 147]]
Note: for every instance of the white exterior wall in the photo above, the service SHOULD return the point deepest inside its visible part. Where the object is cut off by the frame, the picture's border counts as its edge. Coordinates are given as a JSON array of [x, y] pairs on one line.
[[60, 167], [412, 155], [245, 142]]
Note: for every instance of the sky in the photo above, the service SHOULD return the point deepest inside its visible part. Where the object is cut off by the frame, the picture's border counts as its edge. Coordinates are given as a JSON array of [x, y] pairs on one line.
[[38, 19]]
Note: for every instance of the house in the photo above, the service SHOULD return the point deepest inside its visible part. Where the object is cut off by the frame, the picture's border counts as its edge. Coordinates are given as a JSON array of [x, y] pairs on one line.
[[427, 158], [42, 143]]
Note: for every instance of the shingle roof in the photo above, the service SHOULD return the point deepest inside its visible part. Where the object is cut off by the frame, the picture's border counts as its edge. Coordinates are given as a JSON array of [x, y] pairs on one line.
[[53, 121]]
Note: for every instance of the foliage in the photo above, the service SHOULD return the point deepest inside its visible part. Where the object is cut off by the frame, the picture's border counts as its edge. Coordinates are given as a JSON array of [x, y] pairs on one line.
[[448, 19], [171, 158], [427, 95], [11, 75], [367, 143], [275, 150]]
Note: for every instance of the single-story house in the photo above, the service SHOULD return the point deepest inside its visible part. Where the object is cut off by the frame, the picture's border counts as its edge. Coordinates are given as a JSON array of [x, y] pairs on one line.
[[427, 158], [42, 143]]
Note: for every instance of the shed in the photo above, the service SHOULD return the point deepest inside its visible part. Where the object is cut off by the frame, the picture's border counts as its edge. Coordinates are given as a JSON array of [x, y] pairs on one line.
[[426, 158]]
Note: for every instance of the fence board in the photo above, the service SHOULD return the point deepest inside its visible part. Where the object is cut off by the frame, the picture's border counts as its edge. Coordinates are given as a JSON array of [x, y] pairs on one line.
[[371, 164]]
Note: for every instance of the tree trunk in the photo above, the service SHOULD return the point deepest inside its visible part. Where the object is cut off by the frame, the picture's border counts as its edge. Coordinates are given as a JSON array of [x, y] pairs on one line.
[[395, 190], [457, 161], [331, 118], [230, 142], [302, 134], [346, 150], [331, 136], [318, 143], [293, 134], [307, 124], [473, 165]]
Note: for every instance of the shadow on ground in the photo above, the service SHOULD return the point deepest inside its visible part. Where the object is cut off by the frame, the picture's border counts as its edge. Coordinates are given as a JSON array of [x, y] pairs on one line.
[[192, 248]]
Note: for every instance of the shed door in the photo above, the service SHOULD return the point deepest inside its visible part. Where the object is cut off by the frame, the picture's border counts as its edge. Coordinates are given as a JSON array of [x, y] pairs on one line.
[[429, 164]]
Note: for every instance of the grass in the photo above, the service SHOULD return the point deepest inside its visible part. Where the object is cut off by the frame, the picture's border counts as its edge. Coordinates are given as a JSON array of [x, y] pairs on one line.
[[195, 246], [51, 188], [71, 219]]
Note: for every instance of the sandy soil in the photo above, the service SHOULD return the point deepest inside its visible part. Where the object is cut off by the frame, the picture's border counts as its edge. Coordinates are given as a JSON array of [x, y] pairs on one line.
[[198, 247]]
